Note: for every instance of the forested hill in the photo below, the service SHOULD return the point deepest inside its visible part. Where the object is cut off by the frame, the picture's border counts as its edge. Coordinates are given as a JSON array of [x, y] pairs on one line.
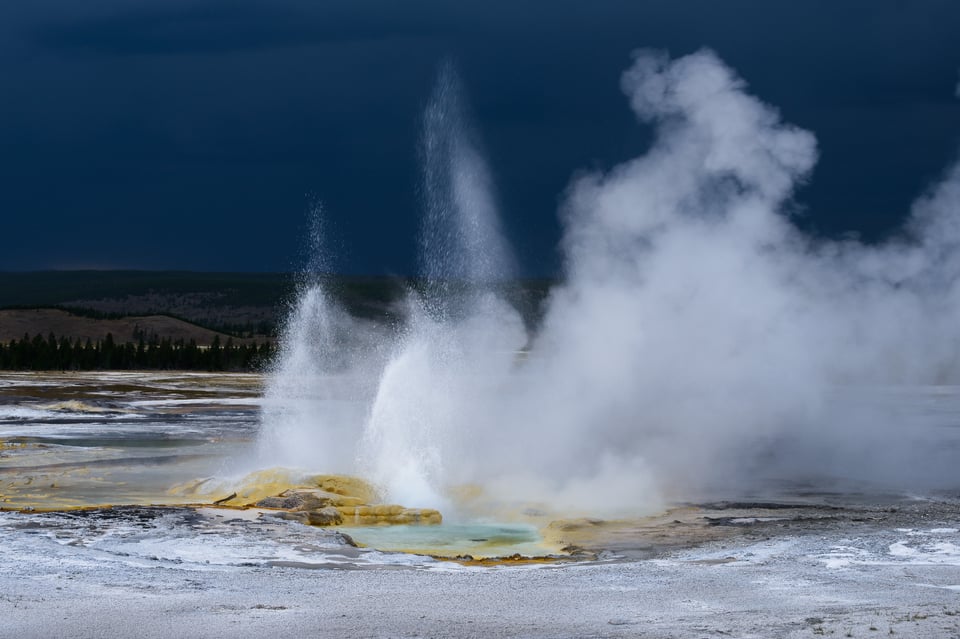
[[81, 320], [239, 304], [226, 302], [242, 305]]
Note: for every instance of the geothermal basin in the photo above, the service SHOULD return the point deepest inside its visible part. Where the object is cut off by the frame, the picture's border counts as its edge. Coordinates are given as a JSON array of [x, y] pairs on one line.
[[94, 472], [98, 445], [718, 426]]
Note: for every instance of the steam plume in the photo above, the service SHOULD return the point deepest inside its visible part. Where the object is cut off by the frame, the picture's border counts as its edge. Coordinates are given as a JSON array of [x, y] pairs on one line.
[[698, 343], [708, 331]]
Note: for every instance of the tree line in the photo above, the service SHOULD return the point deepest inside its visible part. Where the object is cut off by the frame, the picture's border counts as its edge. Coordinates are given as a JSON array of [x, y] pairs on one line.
[[50, 353]]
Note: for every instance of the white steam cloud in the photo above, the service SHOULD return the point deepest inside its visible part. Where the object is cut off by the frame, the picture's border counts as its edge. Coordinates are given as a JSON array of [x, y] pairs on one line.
[[701, 330], [699, 342]]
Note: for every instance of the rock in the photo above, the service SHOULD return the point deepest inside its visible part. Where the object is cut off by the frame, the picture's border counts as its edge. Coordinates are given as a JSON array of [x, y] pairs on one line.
[[302, 517], [347, 539], [292, 502], [307, 499], [319, 498], [326, 516], [218, 501]]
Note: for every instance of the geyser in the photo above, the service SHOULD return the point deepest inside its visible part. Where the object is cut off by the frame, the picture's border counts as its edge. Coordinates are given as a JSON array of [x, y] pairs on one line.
[[460, 338], [697, 343], [325, 370]]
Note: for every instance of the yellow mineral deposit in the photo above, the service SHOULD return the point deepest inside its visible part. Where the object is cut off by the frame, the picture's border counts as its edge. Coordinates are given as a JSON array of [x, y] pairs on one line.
[[511, 560], [333, 500], [319, 500], [373, 515], [242, 493]]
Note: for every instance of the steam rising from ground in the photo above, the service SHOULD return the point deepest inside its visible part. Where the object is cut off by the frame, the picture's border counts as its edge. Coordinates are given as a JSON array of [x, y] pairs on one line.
[[698, 341]]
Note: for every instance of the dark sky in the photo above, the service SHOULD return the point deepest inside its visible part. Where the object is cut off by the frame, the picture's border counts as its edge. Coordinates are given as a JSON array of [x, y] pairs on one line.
[[190, 134]]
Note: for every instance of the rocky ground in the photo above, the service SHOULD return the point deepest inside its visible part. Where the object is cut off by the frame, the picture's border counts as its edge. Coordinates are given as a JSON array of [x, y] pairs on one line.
[[715, 570]]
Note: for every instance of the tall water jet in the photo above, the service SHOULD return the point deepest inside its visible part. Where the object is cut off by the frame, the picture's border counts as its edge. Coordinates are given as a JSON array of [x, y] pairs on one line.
[[461, 335], [461, 241], [323, 360]]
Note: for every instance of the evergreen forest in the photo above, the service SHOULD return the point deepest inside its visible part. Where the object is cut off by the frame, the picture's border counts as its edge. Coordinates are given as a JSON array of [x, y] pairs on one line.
[[50, 353]]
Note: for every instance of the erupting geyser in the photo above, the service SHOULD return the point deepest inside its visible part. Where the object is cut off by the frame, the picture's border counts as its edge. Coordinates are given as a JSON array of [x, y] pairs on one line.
[[326, 358], [459, 339], [460, 336], [698, 341]]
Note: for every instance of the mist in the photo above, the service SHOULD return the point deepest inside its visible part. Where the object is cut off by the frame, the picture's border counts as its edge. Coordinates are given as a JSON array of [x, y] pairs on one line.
[[711, 339], [699, 343]]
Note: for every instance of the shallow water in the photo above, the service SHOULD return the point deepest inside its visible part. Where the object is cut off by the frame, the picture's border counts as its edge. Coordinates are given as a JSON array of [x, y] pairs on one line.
[[475, 539], [75, 440]]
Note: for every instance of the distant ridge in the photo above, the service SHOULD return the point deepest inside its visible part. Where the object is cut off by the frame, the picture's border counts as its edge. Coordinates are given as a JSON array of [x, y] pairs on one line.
[[227, 302], [247, 305], [15, 323]]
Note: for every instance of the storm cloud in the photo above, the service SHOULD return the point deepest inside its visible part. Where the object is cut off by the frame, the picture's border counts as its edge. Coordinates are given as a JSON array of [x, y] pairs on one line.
[[206, 129]]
